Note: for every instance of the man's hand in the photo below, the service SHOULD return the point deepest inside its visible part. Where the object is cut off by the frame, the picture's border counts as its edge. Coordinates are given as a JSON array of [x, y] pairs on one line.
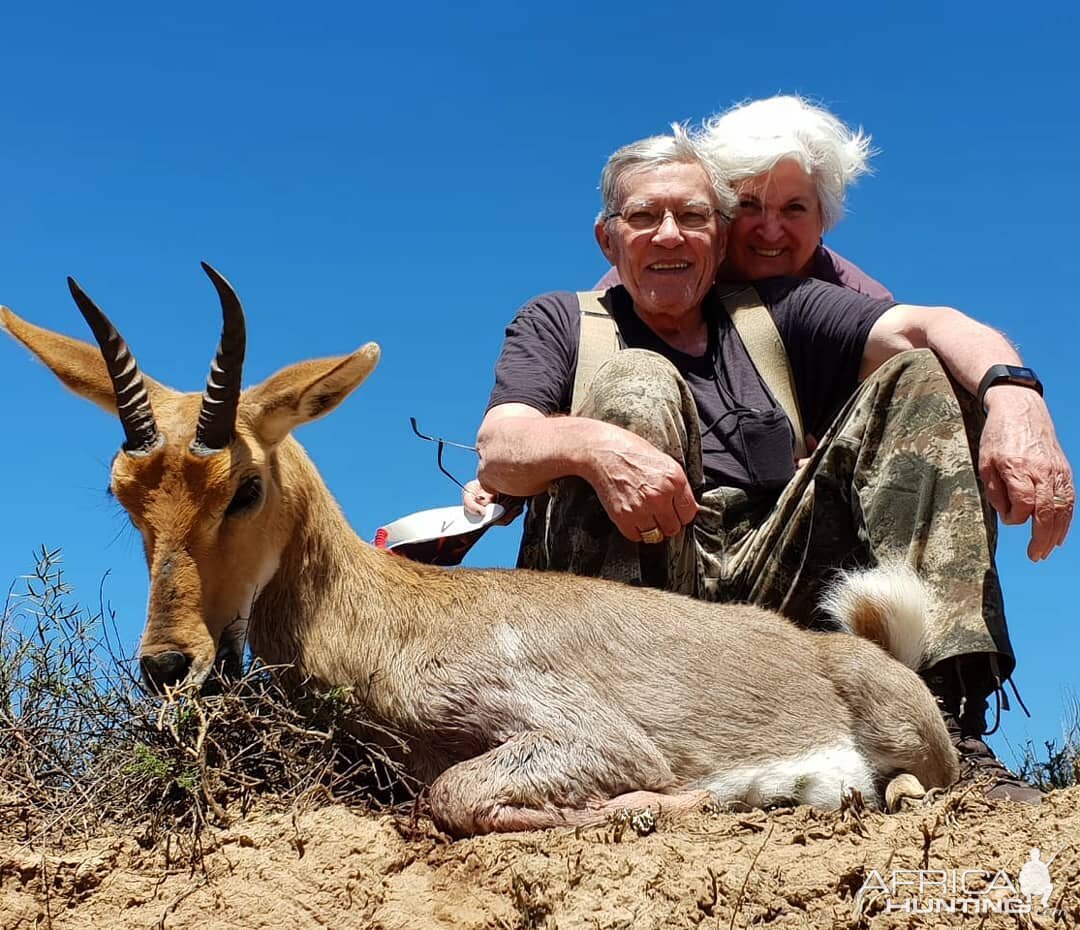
[[1021, 464], [642, 489], [475, 499], [1024, 469]]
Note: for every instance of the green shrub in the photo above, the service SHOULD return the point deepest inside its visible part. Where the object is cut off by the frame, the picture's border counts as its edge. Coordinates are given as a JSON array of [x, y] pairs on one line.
[[82, 747]]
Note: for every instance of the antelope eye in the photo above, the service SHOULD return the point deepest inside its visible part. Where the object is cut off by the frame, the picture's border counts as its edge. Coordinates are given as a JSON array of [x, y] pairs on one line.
[[247, 496]]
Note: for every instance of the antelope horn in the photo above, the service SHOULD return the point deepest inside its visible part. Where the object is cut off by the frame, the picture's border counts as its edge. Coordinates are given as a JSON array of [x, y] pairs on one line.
[[132, 400], [217, 418]]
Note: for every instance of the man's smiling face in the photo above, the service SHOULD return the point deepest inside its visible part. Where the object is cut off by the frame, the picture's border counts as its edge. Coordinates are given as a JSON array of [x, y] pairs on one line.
[[668, 269]]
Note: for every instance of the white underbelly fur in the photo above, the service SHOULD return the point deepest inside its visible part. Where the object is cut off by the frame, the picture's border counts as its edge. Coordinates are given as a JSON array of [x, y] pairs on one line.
[[818, 778]]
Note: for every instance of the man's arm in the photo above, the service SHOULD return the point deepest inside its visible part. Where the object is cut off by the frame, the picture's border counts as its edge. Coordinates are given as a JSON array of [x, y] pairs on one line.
[[641, 488], [1021, 463]]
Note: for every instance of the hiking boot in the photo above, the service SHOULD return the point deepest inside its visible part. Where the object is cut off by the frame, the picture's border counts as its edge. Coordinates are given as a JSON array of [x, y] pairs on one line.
[[964, 713], [979, 764]]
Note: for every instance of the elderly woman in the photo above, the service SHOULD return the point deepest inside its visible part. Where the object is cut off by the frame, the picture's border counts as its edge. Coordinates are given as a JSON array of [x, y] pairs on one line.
[[673, 464], [790, 164]]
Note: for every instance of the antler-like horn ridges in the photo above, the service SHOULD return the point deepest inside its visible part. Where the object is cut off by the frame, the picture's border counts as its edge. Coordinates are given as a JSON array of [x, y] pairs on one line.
[[132, 400], [217, 418]]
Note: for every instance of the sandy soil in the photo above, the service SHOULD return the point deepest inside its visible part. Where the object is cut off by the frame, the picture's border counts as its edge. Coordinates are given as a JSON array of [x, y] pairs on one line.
[[336, 868]]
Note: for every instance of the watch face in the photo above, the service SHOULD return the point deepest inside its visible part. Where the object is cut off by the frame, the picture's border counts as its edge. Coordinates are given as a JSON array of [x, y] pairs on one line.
[[1021, 374]]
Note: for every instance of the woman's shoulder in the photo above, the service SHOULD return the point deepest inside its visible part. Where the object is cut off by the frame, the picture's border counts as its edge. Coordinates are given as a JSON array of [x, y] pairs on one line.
[[832, 267]]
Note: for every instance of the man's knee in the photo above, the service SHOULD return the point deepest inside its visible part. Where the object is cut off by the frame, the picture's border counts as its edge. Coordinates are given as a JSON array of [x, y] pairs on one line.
[[632, 386], [915, 367], [913, 392], [642, 392]]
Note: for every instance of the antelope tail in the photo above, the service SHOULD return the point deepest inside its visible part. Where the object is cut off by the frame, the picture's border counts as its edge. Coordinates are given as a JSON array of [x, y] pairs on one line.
[[886, 605]]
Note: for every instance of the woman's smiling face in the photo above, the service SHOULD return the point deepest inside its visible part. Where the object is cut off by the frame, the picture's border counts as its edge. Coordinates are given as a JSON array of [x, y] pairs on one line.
[[777, 225]]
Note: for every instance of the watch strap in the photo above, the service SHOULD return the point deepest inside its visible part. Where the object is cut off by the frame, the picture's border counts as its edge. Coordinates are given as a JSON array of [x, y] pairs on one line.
[[1007, 374]]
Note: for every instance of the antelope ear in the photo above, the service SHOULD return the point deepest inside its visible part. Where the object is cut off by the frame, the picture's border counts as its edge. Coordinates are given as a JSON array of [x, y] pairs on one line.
[[306, 391], [77, 364]]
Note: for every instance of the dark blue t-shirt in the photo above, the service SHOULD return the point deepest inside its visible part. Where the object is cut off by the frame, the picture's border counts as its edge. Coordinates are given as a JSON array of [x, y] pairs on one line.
[[823, 327]]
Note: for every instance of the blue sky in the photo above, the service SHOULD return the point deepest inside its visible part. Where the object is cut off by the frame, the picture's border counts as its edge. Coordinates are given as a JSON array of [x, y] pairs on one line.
[[411, 173]]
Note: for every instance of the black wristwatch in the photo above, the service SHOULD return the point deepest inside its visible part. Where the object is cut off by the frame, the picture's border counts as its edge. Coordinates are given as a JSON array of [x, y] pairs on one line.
[[1008, 374]]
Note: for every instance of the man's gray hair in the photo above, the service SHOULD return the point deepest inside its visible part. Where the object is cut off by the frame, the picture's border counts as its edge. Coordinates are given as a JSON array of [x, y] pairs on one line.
[[752, 138], [653, 152]]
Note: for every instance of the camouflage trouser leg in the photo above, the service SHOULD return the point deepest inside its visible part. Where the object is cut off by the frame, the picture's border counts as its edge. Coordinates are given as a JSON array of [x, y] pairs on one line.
[[568, 530], [892, 479]]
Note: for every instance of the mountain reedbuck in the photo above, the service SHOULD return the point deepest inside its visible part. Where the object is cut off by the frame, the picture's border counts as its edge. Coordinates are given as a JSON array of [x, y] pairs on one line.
[[526, 699]]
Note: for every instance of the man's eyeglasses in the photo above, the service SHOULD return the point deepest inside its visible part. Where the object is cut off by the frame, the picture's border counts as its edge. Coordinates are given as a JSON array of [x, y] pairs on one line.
[[647, 217], [441, 444]]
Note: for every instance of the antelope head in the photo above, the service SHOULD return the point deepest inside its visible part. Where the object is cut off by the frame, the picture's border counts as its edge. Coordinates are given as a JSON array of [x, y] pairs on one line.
[[199, 475]]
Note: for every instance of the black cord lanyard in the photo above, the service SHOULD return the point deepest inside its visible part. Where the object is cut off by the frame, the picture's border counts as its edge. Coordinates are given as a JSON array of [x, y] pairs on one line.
[[726, 393]]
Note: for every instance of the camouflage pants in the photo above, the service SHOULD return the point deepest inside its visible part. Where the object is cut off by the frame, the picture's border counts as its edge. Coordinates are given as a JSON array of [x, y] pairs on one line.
[[892, 479]]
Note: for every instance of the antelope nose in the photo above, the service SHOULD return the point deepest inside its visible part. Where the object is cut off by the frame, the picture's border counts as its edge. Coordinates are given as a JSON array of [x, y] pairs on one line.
[[165, 668]]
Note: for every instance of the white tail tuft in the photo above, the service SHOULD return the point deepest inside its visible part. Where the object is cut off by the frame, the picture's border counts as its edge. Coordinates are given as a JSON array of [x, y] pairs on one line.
[[887, 605]]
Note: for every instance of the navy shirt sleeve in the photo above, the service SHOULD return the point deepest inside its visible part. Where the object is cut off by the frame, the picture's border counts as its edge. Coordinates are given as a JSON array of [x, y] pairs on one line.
[[539, 355]]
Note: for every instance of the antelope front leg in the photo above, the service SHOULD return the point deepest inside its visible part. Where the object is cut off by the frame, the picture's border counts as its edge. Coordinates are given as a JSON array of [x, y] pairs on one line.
[[542, 779]]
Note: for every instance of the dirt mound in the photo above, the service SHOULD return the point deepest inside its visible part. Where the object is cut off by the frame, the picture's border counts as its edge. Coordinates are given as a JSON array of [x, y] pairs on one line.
[[785, 868]]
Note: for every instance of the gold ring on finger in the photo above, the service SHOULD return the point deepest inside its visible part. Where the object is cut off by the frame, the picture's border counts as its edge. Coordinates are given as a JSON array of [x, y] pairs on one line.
[[652, 536]]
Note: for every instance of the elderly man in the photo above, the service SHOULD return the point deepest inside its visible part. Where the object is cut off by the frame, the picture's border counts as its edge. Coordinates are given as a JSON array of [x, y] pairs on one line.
[[676, 466]]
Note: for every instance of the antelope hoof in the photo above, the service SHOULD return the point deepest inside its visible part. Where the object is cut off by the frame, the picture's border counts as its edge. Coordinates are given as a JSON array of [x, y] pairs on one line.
[[642, 820], [903, 791]]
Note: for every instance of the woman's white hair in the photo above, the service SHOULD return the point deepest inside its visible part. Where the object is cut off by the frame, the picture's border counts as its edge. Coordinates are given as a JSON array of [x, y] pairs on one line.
[[752, 138], [653, 152]]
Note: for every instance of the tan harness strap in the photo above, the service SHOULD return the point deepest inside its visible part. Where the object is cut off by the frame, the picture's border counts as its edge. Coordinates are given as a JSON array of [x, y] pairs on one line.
[[598, 341], [759, 335]]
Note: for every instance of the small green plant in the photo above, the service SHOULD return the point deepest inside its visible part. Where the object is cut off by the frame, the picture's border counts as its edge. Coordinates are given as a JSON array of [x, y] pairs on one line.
[[1057, 766], [82, 747]]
